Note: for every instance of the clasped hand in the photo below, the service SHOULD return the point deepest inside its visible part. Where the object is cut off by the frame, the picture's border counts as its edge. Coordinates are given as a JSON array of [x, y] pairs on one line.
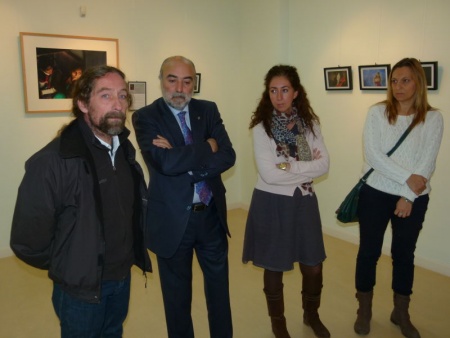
[[403, 208], [162, 142], [316, 155], [417, 183]]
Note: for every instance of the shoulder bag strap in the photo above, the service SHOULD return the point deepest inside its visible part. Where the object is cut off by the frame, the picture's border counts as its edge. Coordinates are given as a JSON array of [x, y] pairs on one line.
[[390, 152]]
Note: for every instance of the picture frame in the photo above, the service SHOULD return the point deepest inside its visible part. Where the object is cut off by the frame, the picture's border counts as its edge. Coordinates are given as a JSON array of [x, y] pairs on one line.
[[48, 63], [138, 91], [198, 79], [431, 74], [338, 78], [374, 77]]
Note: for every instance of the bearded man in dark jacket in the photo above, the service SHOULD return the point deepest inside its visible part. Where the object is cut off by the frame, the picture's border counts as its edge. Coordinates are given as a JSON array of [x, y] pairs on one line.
[[80, 210]]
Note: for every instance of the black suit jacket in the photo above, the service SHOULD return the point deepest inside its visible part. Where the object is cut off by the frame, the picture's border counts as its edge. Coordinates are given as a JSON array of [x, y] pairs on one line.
[[173, 172]]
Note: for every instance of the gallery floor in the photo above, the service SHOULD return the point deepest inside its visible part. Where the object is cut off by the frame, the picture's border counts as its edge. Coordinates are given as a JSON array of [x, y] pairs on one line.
[[26, 311]]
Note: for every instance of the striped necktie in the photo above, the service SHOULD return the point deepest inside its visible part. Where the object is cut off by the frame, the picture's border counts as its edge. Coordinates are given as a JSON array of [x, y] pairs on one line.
[[201, 188]]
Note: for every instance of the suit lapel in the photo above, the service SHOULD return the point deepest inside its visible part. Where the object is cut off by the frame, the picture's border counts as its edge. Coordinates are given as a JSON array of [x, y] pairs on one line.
[[197, 123], [171, 123]]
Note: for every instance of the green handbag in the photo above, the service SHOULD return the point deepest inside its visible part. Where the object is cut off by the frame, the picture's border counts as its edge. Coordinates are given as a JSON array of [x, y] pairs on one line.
[[347, 211]]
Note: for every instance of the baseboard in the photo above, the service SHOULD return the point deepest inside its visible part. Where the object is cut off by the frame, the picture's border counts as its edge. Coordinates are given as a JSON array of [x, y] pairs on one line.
[[231, 206], [6, 253], [432, 266], [345, 236]]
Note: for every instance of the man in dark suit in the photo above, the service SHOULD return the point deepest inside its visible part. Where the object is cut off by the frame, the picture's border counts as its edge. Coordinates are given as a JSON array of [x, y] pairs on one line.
[[186, 148]]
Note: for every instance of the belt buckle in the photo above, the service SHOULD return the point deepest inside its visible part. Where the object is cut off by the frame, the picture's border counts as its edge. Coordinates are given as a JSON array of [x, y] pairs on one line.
[[198, 207]]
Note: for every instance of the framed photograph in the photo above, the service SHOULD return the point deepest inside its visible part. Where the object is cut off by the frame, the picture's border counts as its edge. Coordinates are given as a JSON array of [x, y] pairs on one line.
[[138, 91], [338, 78], [198, 79], [374, 77], [431, 73], [51, 64]]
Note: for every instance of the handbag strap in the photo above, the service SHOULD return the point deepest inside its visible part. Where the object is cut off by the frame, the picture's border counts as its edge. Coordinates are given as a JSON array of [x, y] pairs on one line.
[[390, 152]]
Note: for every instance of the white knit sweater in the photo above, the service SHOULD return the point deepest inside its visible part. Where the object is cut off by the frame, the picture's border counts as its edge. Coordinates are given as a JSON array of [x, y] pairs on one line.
[[277, 181], [416, 155]]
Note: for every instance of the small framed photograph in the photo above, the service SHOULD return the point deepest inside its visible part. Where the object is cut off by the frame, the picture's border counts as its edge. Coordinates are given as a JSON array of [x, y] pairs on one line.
[[338, 78], [198, 79], [374, 77], [431, 73], [51, 64], [138, 91]]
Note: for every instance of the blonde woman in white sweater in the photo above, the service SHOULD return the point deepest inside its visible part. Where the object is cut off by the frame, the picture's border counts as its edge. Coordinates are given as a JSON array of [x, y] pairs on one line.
[[283, 225], [397, 190]]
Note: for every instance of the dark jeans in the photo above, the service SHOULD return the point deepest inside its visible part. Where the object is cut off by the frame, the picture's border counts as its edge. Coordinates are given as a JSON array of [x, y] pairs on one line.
[[80, 319], [375, 210], [208, 239]]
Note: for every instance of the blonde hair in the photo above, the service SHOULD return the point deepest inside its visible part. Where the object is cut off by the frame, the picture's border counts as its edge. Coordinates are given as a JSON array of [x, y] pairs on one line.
[[421, 105]]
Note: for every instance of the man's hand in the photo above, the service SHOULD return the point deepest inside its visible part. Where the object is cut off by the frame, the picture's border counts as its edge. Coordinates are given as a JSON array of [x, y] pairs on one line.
[[162, 142], [214, 146]]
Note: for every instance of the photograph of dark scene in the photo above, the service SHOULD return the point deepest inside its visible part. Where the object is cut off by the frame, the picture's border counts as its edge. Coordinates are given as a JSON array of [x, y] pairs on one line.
[[59, 69]]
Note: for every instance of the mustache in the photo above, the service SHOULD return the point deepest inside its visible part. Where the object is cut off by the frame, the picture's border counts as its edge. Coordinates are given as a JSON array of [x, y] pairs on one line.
[[115, 114], [182, 95]]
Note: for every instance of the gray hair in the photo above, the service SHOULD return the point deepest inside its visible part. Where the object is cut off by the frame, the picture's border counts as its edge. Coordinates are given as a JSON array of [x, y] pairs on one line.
[[175, 58]]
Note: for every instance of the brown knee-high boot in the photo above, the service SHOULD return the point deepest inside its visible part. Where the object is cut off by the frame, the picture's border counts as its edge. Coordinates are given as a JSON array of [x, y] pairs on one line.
[[312, 289], [400, 316], [362, 324], [273, 289]]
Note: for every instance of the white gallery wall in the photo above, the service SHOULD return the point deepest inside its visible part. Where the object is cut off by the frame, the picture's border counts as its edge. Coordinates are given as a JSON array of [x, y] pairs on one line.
[[233, 44], [359, 33]]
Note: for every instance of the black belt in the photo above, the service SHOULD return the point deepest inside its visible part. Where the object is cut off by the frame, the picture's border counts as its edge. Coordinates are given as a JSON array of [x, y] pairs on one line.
[[198, 207]]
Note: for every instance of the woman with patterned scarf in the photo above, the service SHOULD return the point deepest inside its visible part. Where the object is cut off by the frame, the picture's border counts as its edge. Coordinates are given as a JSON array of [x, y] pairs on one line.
[[283, 225]]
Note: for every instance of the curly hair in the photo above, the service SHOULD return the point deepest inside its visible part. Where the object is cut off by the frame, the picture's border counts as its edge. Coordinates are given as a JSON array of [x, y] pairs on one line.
[[86, 83], [420, 104], [263, 112]]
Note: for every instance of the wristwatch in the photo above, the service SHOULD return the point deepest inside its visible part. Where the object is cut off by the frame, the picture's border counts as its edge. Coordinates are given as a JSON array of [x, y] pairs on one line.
[[282, 165], [407, 200]]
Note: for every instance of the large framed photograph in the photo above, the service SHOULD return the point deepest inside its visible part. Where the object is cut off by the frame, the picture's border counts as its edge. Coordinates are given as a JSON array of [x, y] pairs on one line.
[[374, 77], [431, 74], [338, 78], [51, 64]]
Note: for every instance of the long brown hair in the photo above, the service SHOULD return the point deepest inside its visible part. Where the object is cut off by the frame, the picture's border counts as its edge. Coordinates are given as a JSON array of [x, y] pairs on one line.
[[421, 105], [263, 112]]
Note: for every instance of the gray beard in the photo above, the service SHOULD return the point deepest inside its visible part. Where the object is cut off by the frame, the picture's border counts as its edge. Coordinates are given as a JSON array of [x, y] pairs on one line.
[[179, 106], [108, 127]]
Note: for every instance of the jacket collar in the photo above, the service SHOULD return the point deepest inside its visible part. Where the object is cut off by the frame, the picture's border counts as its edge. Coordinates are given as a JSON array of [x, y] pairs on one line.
[[75, 135]]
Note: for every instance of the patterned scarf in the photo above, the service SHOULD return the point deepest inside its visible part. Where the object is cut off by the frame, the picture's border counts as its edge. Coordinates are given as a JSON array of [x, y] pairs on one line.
[[290, 143]]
